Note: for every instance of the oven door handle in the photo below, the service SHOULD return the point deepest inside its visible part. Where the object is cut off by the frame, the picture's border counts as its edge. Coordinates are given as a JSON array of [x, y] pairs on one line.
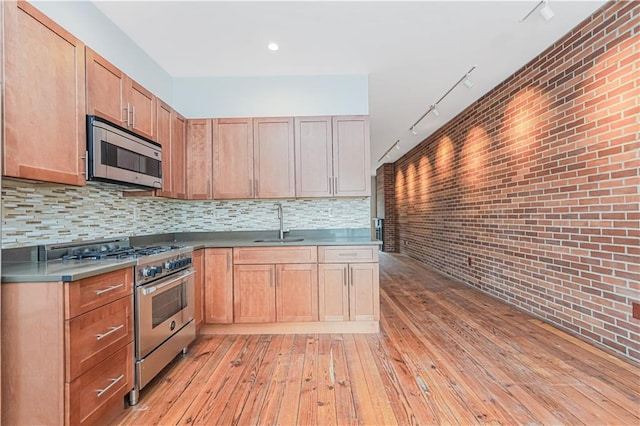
[[155, 287]]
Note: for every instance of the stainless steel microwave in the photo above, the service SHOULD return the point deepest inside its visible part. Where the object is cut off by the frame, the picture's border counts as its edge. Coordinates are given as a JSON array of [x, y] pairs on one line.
[[117, 155]]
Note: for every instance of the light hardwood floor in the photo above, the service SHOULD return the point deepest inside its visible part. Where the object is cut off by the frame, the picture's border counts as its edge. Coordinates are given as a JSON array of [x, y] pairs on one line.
[[446, 354]]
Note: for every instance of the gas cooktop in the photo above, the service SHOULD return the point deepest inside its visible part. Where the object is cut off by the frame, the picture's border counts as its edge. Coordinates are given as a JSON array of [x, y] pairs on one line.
[[102, 249]]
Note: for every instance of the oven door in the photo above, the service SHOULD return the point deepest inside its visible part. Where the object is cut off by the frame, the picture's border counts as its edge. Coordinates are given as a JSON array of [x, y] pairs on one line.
[[163, 308]]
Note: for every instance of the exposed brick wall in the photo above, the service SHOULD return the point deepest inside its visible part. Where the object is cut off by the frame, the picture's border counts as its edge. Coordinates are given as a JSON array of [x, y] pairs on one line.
[[531, 194], [385, 178]]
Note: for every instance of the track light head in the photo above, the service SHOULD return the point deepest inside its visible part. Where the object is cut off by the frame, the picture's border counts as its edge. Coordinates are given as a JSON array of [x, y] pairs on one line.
[[435, 111], [398, 145], [413, 131], [467, 82], [546, 12]]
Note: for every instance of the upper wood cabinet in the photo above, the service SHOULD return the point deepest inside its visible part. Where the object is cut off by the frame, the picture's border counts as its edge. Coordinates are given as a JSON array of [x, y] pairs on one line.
[[351, 156], [314, 157], [44, 98], [163, 132], [113, 95], [198, 156], [178, 155], [233, 158], [332, 156], [273, 159], [253, 158]]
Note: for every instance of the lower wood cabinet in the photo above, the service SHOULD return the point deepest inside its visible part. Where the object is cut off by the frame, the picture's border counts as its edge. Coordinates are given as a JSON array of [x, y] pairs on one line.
[[198, 265], [275, 293], [67, 350], [218, 286], [349, 288], [275, 284], [349, 292]]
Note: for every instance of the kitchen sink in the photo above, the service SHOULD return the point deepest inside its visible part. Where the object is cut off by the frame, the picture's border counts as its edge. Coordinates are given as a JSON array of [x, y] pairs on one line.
[[277, 240]]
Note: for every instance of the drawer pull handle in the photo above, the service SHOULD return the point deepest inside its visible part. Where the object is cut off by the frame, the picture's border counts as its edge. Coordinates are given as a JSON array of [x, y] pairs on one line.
[[104, 290], [113, 382], [111, 330], [347, 254]]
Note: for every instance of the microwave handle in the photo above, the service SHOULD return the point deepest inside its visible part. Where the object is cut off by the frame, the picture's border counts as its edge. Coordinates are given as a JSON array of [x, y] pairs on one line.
[[156, 287]]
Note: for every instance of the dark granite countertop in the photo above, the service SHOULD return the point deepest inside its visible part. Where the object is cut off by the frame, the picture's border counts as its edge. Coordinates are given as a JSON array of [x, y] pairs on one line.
[[29, 270]]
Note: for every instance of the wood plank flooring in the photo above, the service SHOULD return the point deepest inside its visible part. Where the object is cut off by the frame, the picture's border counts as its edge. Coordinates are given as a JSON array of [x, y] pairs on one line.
[[446, 354]]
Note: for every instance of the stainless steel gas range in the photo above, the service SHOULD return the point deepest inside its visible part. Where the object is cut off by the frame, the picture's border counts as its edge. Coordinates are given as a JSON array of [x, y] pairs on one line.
[[163, 299]]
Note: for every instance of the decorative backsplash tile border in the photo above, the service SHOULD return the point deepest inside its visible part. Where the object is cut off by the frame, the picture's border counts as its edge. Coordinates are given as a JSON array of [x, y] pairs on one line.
[[45, 214]]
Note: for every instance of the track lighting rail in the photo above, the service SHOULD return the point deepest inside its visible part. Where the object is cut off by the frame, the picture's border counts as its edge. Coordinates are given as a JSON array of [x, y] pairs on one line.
[[434, 106]]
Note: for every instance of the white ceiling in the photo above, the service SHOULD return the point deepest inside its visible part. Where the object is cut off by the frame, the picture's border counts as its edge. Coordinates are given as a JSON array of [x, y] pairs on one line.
[[413, 52]]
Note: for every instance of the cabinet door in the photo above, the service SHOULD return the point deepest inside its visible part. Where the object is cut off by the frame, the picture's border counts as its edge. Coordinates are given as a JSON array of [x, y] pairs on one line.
[[218, 286], [254, 293], [333, 292], [178, 158], [199, 159], [44, 98], [105, 89], [297, 292], [142, 110], [198, 264], [163, 133], [233, 158], [274, 165], [364, 294], [314, 159], [351, 156]]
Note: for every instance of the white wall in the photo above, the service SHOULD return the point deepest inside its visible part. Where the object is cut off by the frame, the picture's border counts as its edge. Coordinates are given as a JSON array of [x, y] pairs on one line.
[[271, 96], [211, 97], [86, 22]]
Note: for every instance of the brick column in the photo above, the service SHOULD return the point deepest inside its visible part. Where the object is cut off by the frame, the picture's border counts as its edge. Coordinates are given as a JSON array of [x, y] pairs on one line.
[[385, 182]]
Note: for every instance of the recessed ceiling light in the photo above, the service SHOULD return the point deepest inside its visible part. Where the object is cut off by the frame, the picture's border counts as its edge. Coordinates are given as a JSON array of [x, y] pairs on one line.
[[273, 46]]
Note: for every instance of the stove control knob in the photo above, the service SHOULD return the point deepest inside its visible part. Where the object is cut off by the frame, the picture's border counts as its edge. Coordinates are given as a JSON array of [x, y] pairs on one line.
[[157, 269], [169, 265], [188, 261], [149, 271]]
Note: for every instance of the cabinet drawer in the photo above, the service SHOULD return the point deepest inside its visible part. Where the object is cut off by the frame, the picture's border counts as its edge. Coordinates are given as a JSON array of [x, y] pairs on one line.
[[100, 391], [271, 255], [83, 295], [348, 254], [94, 336]]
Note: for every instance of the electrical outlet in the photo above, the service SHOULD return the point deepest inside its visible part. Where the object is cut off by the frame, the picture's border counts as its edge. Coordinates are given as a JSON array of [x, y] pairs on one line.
[[136, 213], [636, 310]]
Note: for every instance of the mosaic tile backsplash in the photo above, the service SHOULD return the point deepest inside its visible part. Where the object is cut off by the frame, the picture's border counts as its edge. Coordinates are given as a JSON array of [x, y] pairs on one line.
[[46, 214]]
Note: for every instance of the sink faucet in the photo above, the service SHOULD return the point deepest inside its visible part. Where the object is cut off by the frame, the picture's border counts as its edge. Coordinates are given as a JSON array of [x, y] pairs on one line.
[[281, 217]]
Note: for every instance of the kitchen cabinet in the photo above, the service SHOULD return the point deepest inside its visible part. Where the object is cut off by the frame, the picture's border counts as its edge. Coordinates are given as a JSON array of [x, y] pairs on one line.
[[273, 158], [198, 158], [275, 284], [163, 137], [198, 264], [218, 287], [254, 297], [253, 158], [314, 157], [113, 95], [233, 158], [76, 361], [332, 156], [351, 156], [44, 129], [178, 156], [348, 281], [296, 292]]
